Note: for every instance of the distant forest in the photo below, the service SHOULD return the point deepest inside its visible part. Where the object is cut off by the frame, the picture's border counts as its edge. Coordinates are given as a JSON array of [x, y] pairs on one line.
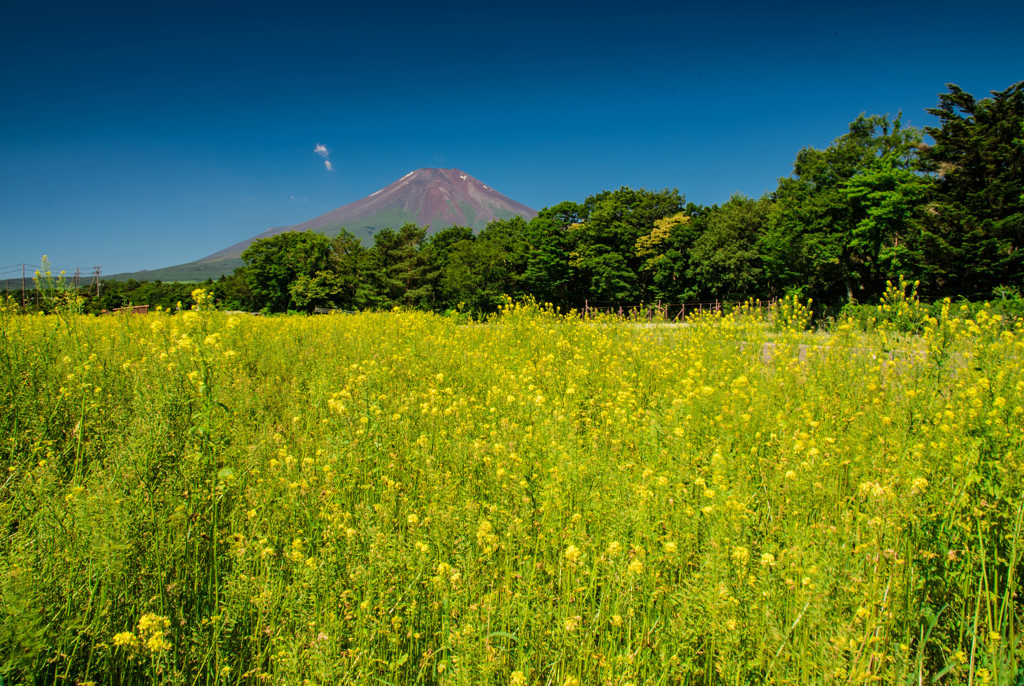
[[877, 204]]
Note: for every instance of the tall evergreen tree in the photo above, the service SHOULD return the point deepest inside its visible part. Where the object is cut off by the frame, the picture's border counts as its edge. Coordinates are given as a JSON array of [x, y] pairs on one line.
[[976, 223], [399, 268]]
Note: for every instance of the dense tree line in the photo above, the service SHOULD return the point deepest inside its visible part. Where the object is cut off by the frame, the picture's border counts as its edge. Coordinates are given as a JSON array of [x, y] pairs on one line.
[[876, 204], [112, 295]]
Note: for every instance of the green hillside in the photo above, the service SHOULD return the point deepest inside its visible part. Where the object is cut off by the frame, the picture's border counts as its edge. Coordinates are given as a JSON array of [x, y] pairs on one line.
[[199, 270]]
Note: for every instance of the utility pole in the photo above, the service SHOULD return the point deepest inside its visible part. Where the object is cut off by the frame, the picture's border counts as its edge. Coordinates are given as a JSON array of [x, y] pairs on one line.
[[78, 273], [96, 277], [23, 285]]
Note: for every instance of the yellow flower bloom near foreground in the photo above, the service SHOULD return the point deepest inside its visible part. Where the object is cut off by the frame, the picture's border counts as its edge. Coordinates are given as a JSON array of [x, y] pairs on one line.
[[399, 498]]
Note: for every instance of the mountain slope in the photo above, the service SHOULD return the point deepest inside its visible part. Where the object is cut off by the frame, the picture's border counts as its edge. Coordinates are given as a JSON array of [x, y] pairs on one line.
[[437, 198]]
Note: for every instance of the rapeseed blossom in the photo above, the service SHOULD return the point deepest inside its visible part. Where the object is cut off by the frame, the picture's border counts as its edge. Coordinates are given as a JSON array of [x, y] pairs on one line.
[[526, 500]]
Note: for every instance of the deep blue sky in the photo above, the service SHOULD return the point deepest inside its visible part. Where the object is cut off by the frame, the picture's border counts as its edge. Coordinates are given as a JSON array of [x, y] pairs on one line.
[[145, 134]]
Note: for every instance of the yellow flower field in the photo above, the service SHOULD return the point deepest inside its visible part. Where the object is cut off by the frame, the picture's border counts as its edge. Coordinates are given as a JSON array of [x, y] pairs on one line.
[[400, 498]]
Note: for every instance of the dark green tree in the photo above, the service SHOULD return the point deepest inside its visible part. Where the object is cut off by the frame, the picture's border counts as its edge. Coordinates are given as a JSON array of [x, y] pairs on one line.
[[440, 247], [321, 290], [506, 241], [605, 264], [887, 199], [442, 241], [547, 245], [273, 264], [827, 233], [976, 222], [350, 262], [666, 253], [400, 268], [725, 261], [232, 291], [480, 273]]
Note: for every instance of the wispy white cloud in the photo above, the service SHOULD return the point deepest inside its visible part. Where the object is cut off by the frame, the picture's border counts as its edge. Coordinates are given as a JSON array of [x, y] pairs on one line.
[[322, 150]]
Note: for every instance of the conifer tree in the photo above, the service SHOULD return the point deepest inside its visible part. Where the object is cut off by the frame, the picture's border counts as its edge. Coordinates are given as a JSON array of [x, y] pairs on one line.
[[976, 222]]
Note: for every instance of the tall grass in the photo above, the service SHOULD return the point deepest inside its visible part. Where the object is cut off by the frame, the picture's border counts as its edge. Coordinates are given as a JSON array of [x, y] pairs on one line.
[[398, 498]]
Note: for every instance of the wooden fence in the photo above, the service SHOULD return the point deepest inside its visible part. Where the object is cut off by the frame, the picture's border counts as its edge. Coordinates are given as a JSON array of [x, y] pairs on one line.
[[664, 311]]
